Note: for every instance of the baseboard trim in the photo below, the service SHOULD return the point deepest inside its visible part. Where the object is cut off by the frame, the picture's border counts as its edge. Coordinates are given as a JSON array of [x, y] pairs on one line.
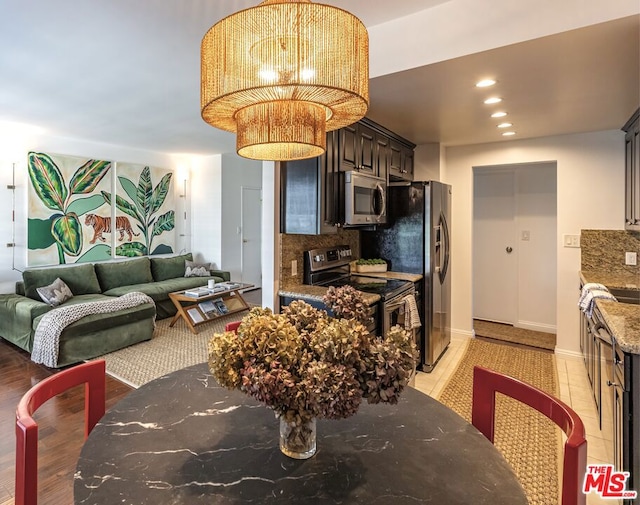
[[461, 334], [530, 325], [569, 355]]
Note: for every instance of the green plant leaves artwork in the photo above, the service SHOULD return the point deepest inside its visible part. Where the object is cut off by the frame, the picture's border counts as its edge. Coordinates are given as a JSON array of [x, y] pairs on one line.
[[144, 202], [70, 210]]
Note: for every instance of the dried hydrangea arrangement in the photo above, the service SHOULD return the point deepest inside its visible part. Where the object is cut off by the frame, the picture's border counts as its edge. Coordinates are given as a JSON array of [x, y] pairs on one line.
[[305, 364]]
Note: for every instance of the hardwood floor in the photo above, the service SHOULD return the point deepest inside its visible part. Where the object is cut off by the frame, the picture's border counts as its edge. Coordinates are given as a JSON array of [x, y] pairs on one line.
[[60, 421]]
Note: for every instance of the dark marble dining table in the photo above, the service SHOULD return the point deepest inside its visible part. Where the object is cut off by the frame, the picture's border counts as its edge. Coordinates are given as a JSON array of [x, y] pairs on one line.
[[183, 439]]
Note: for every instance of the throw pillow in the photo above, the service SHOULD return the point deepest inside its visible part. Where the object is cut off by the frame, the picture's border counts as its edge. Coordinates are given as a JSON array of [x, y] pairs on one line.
[[193, 269], [55, 293]]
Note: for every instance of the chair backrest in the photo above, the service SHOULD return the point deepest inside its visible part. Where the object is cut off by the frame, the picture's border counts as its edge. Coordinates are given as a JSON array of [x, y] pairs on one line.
[[92, 375], [232, 326], [485, 385]]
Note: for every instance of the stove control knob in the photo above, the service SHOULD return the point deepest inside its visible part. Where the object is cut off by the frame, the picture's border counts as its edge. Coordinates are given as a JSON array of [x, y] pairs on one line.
[[318, 258]]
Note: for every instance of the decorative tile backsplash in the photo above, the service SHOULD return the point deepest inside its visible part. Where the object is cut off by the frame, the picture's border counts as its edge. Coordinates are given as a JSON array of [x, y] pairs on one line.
[[604, 250], [292, 248]]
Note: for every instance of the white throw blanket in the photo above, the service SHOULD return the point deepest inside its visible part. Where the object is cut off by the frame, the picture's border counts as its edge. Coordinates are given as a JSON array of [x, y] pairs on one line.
[[46, 341]]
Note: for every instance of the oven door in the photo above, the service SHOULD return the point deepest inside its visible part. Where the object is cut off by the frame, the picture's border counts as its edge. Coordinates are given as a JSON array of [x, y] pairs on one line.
[[365, 200]]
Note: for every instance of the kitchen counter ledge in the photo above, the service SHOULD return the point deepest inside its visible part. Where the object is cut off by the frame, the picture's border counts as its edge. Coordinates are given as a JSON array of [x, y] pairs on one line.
[[622, 319], [304, 291]]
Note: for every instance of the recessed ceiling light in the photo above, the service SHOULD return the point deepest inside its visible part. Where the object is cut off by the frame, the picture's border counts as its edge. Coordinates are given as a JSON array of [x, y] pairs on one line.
[[508, 134], [484, 83], [499, 114], [504, 125], [493, 99]]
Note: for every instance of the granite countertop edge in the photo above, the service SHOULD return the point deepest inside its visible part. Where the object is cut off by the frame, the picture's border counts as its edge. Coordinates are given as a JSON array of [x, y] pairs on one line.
[[304, 291], [622, 319]]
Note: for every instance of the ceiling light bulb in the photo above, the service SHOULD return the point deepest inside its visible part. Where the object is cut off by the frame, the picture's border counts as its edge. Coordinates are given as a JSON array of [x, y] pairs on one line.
[[493, 99], [499, 114], [484, 83], [508, 134], [504, 125]]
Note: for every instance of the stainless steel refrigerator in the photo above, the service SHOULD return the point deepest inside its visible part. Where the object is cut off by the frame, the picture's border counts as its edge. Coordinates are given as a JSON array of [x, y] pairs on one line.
[[417, 239]]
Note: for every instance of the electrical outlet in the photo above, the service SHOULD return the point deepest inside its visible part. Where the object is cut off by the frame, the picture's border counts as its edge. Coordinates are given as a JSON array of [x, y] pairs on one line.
[[571, 240], [294, 268], [526, 235], [630, 258]]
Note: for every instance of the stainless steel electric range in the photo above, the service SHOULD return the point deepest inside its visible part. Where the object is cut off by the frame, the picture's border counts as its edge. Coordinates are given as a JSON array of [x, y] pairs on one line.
[[330, 267]]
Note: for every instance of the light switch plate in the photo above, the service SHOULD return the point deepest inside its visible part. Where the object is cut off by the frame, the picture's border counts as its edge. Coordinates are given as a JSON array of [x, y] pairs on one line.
[[630, 258], [571, 240]]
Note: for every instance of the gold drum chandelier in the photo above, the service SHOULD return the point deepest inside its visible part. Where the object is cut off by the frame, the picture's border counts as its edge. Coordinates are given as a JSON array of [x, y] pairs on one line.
[[283, 73]]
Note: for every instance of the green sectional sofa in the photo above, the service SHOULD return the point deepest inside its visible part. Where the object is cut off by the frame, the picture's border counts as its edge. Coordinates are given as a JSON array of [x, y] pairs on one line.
[[97, 334]]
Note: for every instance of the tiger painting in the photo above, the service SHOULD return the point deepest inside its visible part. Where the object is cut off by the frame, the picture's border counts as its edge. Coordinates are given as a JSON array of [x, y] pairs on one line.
[[103, 225]]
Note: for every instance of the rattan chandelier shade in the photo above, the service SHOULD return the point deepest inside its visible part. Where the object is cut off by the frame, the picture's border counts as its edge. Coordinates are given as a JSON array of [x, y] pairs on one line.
[[281, 74]]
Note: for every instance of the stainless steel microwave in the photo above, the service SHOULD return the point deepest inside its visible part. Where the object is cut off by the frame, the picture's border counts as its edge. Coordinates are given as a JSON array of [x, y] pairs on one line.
[[365, 200]]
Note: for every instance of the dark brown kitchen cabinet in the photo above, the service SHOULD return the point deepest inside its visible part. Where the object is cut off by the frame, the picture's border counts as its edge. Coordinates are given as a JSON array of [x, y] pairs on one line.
[[358, 149], [632, 172], [312, 190], [401, 161]]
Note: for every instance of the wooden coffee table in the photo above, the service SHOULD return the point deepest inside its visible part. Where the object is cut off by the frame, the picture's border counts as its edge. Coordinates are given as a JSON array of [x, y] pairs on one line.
[[209, 307]]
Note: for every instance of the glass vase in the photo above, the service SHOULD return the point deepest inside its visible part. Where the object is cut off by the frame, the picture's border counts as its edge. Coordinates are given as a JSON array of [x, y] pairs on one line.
[[298, 441]]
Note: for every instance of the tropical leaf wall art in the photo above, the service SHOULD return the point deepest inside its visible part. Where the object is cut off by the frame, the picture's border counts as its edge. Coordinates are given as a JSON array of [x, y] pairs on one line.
[[146, 210], [62, 190]]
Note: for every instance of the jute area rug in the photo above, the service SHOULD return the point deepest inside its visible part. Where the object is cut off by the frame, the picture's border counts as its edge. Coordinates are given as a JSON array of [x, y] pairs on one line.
[[527, 439], [509, 333], [169, 350]]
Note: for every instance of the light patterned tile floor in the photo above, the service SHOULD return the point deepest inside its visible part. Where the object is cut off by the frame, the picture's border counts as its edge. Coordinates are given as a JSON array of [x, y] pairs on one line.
[[575, 390]]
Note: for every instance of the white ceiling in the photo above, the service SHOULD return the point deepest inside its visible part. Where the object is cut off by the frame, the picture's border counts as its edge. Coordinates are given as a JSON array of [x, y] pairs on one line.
[[128, 73]]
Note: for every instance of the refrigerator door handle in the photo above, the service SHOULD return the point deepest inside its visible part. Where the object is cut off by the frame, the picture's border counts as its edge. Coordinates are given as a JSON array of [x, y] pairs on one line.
[[437, 246], [442, 269]]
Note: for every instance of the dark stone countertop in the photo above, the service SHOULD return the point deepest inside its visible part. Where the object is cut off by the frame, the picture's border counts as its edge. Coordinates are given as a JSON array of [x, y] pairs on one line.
[[622, 319], [182, 439]]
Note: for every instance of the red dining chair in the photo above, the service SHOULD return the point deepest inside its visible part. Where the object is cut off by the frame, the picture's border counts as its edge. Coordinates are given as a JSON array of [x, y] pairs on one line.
[[232, 326], [92, 375], [486, 383]]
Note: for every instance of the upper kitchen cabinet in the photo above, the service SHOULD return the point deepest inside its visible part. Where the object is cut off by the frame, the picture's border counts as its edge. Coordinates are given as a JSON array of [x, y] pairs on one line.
[[368, 147], [632, 172], [309, 193], [401, 161]]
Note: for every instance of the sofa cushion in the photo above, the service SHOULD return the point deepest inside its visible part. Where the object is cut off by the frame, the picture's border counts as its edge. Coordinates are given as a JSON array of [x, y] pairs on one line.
[[55, 293], [169, 268], [81, 279], [124, 273]]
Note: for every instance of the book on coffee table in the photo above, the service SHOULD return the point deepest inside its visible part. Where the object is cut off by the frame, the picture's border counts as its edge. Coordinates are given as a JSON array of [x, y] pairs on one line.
[[195, 315], [220, 305], [197, 292], [209, 309]]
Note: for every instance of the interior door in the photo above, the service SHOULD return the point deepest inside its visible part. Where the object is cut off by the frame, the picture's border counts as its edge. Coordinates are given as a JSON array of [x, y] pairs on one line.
[[251, 236], [495, 255]]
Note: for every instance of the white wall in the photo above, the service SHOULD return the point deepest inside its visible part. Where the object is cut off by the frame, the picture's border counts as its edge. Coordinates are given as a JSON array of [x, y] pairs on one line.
[[237, 173], [205, 187], [590, 185], [14, 147], [270, 234]]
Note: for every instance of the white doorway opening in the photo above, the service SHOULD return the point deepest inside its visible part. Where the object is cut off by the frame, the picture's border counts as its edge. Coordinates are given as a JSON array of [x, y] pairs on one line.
[[251, 236], [514, 245]]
